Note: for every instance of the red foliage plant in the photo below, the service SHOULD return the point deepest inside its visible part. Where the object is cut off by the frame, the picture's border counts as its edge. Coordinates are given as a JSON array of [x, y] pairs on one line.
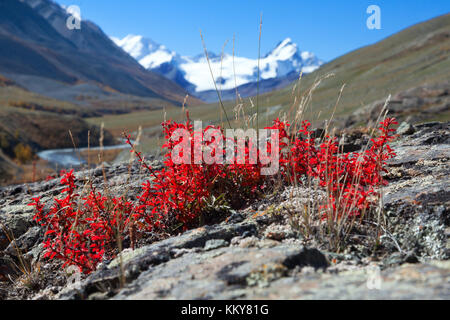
[[83, 231]]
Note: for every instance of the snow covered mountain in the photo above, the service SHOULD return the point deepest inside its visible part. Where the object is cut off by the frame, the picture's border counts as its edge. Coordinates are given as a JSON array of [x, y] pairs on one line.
[[280, 66], [150, 54]]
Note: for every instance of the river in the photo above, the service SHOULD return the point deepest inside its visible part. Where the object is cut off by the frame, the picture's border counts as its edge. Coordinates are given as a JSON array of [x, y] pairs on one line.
[[71, 157]]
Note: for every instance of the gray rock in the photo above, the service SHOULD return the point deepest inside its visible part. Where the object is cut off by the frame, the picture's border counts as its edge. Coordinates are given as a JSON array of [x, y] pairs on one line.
[[24, 243], [405, 129], [215, 244], [222, 275], [409, 281], [415, 105]]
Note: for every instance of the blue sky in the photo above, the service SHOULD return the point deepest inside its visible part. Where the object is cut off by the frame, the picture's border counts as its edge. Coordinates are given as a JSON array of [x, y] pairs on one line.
[[329, 28]]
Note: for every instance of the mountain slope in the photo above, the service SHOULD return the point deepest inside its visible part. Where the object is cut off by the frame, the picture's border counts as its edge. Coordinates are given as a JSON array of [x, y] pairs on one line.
[[34, 40], [415, 56], [285, 61]]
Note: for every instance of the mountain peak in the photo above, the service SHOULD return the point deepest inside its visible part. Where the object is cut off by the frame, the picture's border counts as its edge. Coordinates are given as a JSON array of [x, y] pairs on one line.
[[284, 50], [285, 42], [140, 48], [193, 73]]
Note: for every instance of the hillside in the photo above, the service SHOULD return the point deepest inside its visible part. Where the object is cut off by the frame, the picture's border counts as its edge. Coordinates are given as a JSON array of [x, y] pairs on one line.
[[416, 56], [35, 41]]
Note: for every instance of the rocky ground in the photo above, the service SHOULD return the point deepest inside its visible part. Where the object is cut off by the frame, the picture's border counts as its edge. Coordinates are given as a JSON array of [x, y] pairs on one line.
[[428, 102], [259, 252]]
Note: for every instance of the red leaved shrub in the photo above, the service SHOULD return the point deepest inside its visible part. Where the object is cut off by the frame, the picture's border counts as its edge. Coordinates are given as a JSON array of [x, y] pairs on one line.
[[84, 230]]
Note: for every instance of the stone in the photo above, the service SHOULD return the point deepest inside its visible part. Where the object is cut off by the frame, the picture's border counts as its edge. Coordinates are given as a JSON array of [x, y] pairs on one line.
[[279, 232], [25, 242], [405, 129], [215, 244]]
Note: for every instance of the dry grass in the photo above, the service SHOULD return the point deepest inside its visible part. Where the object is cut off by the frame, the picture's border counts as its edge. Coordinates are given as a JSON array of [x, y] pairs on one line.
[[36, 170], [26, 274]]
